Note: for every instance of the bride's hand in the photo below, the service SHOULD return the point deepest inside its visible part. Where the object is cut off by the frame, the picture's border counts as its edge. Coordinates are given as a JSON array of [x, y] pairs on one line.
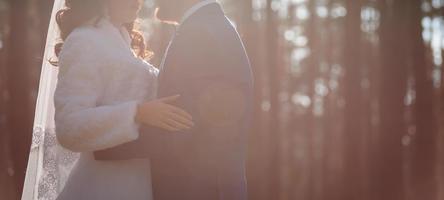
[[161, 114]]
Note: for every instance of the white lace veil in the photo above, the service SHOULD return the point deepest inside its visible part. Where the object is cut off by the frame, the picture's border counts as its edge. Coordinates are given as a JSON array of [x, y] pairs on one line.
[[49, 164]]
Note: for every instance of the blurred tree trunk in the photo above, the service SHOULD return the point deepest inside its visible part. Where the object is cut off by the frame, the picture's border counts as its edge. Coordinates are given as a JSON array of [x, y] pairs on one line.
[[441, 135], [274, 129], [425, 140], [354, 133], [258, 172], [7, 190], [312, 67], [390, 179], [20, 110], [334, 133]]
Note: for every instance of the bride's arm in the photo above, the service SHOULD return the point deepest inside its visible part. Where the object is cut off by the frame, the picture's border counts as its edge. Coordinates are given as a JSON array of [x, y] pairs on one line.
[[82, 125]]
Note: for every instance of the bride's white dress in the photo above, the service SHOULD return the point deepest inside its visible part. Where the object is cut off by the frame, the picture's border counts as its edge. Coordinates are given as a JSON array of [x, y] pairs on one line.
[[100, 82]]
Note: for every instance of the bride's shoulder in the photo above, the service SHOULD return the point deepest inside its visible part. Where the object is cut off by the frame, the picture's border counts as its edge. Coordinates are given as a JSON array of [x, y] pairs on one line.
[[81, 41], [80, 49], [81, 36]]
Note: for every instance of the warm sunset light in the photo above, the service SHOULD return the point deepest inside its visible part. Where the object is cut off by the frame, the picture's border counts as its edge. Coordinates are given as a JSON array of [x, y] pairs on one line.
[[221, 100]]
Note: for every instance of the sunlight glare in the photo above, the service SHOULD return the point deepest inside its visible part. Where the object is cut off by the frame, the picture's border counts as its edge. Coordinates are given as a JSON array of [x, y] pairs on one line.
[[370, 18], [322, 11], [266, 106], [301, 100], [338, 10], [320, 88], [437, 3], [302, 12]]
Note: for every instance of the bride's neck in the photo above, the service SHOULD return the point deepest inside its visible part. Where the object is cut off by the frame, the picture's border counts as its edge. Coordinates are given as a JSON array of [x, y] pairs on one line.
[[116, 23]]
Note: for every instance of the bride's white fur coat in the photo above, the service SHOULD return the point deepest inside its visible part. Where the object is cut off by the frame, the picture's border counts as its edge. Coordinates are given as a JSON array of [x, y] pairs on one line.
[[99, 86]]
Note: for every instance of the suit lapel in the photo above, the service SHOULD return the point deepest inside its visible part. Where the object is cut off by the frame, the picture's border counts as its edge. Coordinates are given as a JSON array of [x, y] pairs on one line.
[[164, 59]]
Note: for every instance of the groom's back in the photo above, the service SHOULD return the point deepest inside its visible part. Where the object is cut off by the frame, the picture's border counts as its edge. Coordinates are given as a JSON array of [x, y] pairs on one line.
[[207, 58], [207, 65], [208, 44]]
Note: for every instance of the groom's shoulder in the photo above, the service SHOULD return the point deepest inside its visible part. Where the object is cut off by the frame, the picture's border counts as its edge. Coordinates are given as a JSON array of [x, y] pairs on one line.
[[204, 29], [207, 20]]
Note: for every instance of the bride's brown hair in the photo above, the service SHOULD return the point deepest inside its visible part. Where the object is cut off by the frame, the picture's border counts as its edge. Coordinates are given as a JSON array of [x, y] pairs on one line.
[[78, 12]]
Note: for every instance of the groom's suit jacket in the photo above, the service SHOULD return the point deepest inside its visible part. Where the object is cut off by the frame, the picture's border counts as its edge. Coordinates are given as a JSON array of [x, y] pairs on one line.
[[207, 65]]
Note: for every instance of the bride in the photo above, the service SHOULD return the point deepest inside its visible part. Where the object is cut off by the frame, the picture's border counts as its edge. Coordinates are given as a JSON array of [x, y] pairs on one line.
[[105, 89]]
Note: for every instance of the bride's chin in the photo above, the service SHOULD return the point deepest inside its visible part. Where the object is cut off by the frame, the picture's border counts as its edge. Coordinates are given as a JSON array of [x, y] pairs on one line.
[[160, 15]]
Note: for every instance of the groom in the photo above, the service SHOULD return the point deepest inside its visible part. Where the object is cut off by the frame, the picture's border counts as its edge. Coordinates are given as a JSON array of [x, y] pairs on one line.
[[207, 65]]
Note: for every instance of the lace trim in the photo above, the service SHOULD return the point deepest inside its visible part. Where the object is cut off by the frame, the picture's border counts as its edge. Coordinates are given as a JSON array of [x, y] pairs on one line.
[[56, 163], [37, 137]]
